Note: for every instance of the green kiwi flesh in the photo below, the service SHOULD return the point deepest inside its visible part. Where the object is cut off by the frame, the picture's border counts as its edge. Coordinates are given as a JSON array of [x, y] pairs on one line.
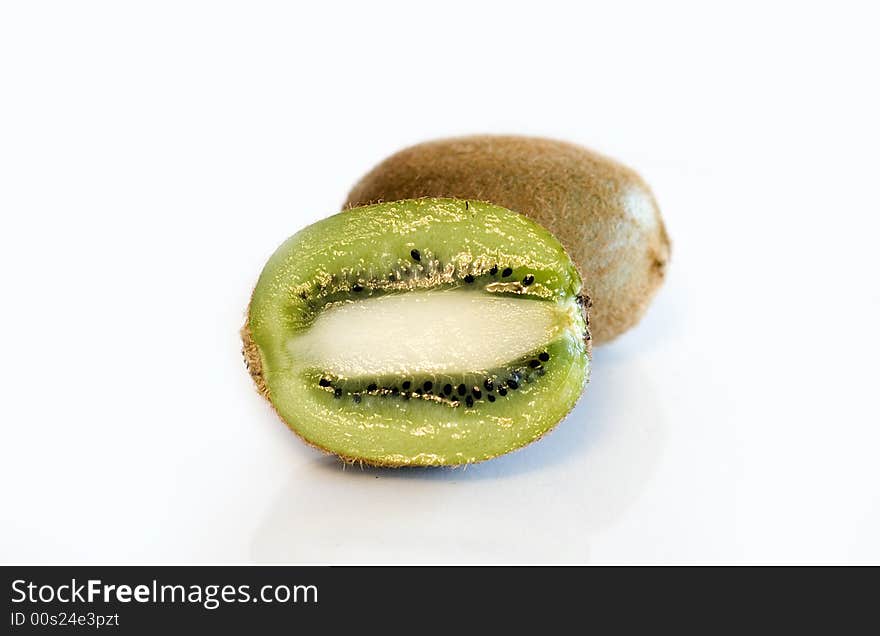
[[420, 333], [601, 211]]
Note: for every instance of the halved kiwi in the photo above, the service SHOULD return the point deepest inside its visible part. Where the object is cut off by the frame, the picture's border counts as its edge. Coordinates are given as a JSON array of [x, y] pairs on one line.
[[420, 332]]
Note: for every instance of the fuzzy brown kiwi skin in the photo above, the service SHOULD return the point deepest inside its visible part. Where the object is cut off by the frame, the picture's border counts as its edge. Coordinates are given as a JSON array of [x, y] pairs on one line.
[[253, 361], [602, 212], [254, 364]]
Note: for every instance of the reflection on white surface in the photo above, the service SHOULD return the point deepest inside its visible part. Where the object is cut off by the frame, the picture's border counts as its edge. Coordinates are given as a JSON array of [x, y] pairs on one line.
[[541, 504]]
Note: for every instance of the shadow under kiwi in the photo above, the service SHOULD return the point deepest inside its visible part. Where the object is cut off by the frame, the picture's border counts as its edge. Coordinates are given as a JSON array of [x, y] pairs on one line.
[[539, 504]]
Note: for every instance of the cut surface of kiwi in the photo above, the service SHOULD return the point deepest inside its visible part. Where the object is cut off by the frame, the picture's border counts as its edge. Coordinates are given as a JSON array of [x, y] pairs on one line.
[[420, 332]]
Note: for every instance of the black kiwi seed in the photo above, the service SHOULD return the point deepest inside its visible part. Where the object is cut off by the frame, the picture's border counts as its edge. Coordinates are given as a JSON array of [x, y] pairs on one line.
[[461, 389], [447, 389], [428, 385], [324, 382], [468, 279], [395, 391], [534, 363], [502, 391], [337, 393], [490, 397], [372, 386], [415, 255], [469, 401], [507, 272], [528, 280], [357, 288], [512, 384], [542, 371], [544, 356], [477, 393], [490, 386], [357, 398], [494, 270], [405, 385]]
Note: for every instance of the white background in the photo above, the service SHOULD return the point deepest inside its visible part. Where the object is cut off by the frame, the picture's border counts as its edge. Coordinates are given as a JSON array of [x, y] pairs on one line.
[[153, 155]]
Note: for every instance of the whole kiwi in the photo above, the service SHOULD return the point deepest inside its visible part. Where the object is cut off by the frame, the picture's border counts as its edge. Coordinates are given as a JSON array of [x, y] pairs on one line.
[[601, 211]]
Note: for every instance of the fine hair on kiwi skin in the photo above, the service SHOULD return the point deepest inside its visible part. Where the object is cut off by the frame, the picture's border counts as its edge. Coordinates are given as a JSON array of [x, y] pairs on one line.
[[319, 340], [601, 211]]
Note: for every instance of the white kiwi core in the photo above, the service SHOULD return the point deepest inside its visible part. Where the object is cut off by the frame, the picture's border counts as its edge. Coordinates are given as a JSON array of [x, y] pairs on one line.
[[428, 332]]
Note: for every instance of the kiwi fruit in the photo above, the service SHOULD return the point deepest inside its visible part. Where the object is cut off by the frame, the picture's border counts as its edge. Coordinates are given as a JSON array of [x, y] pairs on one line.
[[420, 333], [602, 212]]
